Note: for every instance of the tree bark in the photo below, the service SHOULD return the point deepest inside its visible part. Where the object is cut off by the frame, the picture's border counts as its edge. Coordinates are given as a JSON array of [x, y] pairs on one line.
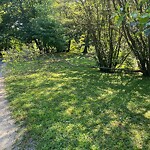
[[85, 51], [69, 45]]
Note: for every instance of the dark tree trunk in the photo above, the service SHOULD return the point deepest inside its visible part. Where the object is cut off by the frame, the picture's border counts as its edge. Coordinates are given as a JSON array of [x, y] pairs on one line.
[[145, 68], [69, 45], [38, 45], [47, 50], [0, 55], [146, 73], [85, 51]]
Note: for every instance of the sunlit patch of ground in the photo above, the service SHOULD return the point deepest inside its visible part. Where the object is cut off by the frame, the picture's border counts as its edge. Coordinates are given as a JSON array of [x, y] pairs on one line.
[[72, 106]]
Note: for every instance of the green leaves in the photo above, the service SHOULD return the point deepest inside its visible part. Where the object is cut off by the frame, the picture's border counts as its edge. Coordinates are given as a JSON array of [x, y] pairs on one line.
[[134, 15], [30, 20], [144, 23], [144, 18], [147, 32], [119, 19], [136, 19]]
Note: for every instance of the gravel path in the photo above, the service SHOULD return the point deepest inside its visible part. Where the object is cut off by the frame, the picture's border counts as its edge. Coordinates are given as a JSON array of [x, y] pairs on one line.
[[8, 128]]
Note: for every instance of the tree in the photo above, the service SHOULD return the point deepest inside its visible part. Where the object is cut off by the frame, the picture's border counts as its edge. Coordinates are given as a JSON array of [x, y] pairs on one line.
[[134, 18], [67, 12], [31, 21], [97, 21]]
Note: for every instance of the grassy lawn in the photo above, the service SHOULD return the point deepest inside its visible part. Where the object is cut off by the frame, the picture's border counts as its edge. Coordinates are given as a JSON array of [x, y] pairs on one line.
[[75, 107]]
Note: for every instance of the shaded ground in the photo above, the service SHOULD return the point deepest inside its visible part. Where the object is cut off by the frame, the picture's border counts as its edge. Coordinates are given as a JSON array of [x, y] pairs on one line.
[[7, 125], [66, 105]]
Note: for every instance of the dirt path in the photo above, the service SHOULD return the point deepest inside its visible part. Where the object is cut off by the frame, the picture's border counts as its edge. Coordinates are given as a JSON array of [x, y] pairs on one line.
[[8, 128]]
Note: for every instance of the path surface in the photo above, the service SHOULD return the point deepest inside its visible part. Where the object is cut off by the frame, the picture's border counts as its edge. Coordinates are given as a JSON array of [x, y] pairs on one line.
[[7, 125]]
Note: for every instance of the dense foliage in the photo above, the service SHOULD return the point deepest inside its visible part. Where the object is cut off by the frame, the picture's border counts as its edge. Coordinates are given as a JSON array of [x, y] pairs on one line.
[[118, 30], [30, 21]]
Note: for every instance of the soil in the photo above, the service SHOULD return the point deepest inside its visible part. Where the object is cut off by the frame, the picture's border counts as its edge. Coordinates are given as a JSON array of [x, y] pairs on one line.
[[8, 128]]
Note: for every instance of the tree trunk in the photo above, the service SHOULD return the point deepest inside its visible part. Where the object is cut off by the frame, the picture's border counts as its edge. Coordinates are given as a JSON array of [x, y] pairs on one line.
[[69, 45], [85, 51], [38, 45]]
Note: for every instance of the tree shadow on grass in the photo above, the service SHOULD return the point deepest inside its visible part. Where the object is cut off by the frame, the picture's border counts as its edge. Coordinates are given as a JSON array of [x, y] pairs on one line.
[[65, 107]]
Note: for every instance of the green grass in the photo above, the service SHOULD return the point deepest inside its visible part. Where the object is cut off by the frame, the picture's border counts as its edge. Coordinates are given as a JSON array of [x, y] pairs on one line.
[[75, 107]]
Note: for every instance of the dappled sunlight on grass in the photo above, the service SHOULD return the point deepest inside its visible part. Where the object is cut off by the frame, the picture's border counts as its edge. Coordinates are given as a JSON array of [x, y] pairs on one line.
[[77, 107], [147, 115]]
